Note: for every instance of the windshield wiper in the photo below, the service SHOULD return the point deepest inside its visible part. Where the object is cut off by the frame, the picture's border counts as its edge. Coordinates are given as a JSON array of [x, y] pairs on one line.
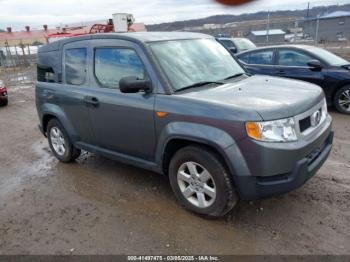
[[234, 76], [199, 84]]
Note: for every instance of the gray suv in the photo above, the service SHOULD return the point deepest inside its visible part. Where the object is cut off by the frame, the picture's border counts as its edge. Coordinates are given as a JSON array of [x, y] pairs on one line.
[[179, 104]]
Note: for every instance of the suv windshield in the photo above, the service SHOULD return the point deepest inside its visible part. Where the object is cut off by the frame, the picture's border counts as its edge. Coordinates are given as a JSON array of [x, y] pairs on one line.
[[188, 62], [329, 57], [244, 44]]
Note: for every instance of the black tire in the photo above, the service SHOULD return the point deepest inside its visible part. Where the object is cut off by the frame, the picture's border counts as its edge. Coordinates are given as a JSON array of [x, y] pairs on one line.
[[71, 153], [4, 102], [226, 197], [339, 95]]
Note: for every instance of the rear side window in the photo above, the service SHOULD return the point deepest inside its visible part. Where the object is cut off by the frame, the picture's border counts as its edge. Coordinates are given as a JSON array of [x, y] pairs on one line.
[[75, 66], [258, 58], [112, 64], [293, 58]]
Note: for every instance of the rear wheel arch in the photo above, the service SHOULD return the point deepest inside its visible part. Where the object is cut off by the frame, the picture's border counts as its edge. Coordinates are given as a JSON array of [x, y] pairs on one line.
[[46, 119]]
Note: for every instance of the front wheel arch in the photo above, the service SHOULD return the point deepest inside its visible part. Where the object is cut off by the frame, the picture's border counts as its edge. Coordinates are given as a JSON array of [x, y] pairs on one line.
[[175, 144], [334, 98]]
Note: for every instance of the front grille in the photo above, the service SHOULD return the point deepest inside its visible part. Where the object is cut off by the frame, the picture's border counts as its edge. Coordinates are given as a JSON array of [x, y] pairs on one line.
[[305, 124]]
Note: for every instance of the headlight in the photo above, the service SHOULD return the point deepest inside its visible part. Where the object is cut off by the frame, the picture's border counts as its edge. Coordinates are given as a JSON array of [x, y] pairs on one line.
[[282, 130]]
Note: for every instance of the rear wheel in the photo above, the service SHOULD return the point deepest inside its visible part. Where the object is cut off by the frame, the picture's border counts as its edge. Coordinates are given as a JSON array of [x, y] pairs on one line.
[[201, 182], [342, 100], [60, 143]]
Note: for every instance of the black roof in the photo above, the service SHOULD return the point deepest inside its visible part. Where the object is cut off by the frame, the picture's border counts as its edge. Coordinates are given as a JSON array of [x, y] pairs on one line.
[[141, 37]]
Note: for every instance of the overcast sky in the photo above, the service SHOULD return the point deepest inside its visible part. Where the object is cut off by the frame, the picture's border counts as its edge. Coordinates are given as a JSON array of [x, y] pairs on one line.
[[18, 13]]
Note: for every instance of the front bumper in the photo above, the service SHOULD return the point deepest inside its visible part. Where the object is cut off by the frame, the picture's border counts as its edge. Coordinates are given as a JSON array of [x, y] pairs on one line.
[[256, 187]]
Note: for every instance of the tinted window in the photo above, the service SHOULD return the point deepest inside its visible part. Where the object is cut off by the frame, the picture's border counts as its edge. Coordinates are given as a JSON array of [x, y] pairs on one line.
[[75, 66], [293, 58], [258, 58], [112, 64], [45, 74]]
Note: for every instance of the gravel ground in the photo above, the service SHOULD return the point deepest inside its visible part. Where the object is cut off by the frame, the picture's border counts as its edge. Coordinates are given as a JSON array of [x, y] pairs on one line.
[[98, 206]]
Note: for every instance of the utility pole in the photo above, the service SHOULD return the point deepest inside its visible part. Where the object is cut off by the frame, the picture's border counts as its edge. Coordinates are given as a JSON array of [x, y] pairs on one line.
[[268, 27], [308, 10], [317, 27]]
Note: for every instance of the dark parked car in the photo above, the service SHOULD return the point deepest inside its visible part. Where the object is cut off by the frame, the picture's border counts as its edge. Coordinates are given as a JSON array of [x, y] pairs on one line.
[[236, 45], [179, 104], [3, 94], [308, 63]]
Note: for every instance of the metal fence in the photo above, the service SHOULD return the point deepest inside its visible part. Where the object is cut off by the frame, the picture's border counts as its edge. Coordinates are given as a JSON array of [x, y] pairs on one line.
[[18, 64]]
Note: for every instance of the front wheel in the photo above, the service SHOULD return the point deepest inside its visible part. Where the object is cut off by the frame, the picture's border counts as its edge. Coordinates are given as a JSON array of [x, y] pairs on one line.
[[342, 100], [60, 143], [201, 182]]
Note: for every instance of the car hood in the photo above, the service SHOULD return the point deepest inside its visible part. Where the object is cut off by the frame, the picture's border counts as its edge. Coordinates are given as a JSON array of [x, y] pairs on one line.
[[271, 97]]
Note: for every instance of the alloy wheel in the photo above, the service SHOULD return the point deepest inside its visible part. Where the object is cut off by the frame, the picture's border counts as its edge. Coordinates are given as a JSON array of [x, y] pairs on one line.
[[196, 184], [57, 140], [344, 100]]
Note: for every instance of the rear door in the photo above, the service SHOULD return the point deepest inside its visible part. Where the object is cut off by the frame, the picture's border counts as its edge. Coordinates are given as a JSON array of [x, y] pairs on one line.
[[259, 62], [121, 122], [74, 89], [292, 63]]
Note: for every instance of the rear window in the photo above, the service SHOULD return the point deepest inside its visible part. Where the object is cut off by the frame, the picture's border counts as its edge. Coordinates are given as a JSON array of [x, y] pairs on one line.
[[227, 43], [45, 74], [75, 66], [258, 58]]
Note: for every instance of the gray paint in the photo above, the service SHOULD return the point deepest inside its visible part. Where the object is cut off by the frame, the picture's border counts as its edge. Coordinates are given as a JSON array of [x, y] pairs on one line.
[[124, 126], [328, 28]]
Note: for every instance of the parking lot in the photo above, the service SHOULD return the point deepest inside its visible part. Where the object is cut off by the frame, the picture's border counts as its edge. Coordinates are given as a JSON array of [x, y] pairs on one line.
[[98, 206]]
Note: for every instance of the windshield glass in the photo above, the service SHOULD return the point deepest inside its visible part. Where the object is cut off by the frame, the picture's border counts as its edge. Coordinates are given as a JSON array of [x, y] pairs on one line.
[[244, 44], [329, 57], [187, 62]]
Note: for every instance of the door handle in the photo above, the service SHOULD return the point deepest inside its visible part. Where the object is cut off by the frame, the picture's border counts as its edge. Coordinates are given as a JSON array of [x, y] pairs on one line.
[[91, 100]]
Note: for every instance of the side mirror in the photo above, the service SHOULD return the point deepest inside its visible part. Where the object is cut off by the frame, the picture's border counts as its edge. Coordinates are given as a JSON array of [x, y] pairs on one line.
[[314, 65], [131, 84], [233, 50]]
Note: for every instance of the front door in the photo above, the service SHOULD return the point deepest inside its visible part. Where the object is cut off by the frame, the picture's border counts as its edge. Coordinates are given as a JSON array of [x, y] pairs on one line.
[[121, 122], [293, 64]]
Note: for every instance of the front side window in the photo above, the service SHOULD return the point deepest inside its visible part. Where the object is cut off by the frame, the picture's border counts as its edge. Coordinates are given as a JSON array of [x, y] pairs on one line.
[[75, 66], [293, 58], [258, 58], [186, 62], [112, 64]]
